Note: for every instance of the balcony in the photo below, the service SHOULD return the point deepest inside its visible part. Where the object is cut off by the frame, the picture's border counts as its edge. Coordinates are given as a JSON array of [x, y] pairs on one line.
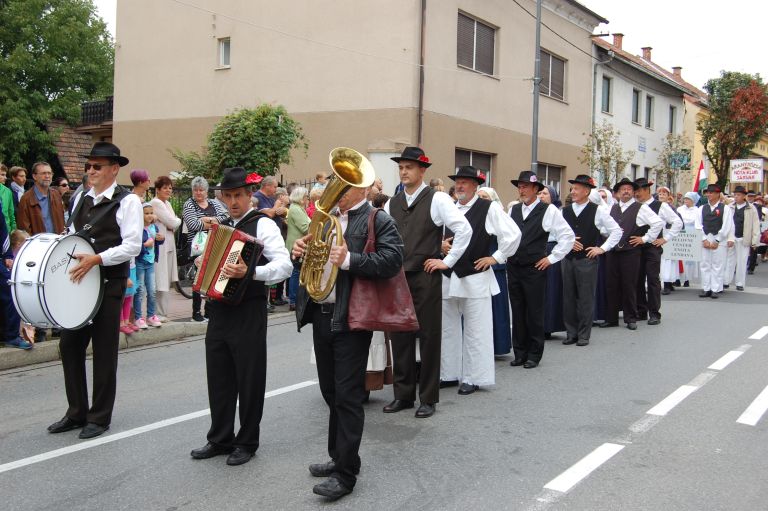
[[94, 113]]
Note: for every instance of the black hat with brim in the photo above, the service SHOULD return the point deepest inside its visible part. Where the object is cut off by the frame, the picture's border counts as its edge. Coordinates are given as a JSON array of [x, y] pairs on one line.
[[413, 154], [583, 179], [713, 188], [107, 150], [527, 176], [237, 177], [625, 181], [469, 172], [642, 182], [740, 189]]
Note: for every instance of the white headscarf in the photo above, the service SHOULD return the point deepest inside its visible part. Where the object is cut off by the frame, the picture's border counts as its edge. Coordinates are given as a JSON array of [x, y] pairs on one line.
[[492, 194], [609, 201]]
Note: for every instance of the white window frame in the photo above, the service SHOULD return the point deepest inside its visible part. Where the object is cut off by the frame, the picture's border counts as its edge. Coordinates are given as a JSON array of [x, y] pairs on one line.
[[610, 95], [672, 119], [472, 153], [222, 43], [650, 105], [636, 112], [565, 74], [474, 45], [546, 180]]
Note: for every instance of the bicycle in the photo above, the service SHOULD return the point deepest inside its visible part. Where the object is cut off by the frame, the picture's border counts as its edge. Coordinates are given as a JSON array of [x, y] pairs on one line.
[[187, 274]]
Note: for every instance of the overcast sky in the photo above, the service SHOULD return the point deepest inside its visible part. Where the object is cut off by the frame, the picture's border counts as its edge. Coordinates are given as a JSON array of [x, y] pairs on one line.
[[703, 37]]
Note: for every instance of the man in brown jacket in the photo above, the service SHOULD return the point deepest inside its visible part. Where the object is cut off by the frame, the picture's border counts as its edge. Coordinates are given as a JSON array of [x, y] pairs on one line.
[[41, 208]]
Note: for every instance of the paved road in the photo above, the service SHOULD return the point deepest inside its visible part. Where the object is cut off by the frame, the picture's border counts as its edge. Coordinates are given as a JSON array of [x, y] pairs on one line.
[[515, 446]]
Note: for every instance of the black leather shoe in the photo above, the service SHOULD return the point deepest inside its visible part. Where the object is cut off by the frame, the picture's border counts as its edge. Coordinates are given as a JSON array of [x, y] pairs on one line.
[[686, 284], [398, 405], [332, 488], [465, 389], [609, 324], [632, 326], [654, 321], [568, 342], [582, 342], [726, 286], [666, 291], [65, 424], [449, 383], [705, 294], [530, 364], [517, 362], [92, 430], [239, 456], [715, 296], [209, 450], [739, 288], [425, 410], [322, 469]]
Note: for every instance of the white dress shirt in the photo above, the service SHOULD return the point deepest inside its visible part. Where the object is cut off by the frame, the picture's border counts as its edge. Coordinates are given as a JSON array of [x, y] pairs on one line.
[[645, 216], [499, 224], [688, 215], [554, 223], [279, 266], [605, 223], [726, 231], [445, 213], [669, 216], [130, 219]]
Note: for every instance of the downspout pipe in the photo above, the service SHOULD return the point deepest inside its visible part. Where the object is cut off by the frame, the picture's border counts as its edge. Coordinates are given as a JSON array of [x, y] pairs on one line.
[[420, 115]]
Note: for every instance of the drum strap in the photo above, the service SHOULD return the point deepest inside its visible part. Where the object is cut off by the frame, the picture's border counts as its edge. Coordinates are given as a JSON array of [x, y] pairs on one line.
[[118, 196]]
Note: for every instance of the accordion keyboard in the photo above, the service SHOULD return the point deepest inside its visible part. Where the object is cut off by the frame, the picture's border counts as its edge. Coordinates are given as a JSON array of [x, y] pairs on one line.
[[232, 257]]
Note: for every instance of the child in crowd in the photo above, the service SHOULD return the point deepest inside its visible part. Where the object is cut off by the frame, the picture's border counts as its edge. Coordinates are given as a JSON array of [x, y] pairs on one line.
[[12, 319], [125, 313], [145, 272]]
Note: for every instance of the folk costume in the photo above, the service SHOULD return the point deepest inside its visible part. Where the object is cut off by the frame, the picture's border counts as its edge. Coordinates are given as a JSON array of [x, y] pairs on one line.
[[526, 283], [579, 272], [688, 216], [623, 262], [236, 340], [553, 307], [467, 336], [746, 232], [716, 222]]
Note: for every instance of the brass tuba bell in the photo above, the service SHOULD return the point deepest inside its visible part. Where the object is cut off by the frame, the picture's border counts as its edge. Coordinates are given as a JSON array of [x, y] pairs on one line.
[[350, 168]]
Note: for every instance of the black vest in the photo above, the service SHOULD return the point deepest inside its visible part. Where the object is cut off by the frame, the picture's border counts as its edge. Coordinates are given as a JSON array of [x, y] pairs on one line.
[[628, 223], [738, 220], [655, 206], [105, 232], [533, 242], [584, 228], [479, 244], [256, 289], [712, 219], [421, 237]]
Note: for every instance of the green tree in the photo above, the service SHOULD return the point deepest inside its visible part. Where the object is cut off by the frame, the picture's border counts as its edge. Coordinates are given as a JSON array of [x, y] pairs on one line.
[[258, 139], [54, 54], [674, 156], [738, 116], [603, 153]]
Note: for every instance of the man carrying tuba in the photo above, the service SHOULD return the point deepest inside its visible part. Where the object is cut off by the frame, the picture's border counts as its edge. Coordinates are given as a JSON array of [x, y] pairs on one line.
[[342, 354]]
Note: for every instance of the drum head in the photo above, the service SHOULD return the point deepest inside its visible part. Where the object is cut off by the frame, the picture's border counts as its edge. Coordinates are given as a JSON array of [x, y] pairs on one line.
[[70, 305]]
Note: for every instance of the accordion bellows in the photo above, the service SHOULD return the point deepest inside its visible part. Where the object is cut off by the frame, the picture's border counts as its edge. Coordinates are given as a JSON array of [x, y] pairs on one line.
[[226, 245]]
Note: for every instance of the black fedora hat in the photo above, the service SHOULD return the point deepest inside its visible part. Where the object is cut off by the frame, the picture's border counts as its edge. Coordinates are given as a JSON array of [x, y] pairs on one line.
[[469, 172], [526, 176], [413, 154], [740, 189], [583, 179], [642, 182], [712, 188], [107, 150], [625, 181], [237, 177]]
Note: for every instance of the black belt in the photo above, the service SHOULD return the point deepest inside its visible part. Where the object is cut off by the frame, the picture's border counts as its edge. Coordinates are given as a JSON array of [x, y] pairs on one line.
[[326, 308]]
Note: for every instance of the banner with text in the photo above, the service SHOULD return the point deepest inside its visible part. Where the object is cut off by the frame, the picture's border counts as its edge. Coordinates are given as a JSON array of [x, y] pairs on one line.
[[747, 171], [685, 246]]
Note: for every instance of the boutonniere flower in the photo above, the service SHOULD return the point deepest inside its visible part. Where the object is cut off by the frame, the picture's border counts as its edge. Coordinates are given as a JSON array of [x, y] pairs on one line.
[[717, 212], [423, 159], [481, 175], [253, 179]]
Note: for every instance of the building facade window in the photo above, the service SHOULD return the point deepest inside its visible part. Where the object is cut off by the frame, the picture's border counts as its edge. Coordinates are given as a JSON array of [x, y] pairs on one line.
[[550, 175], [224, 45], [672, 119], [479, 160], [552, 76], [648, 111], [636, 106], [635, 171], [606, 101], [475, 45]]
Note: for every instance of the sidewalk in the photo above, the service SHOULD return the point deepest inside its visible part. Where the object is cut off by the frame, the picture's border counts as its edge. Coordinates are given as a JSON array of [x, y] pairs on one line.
[[179, 326]]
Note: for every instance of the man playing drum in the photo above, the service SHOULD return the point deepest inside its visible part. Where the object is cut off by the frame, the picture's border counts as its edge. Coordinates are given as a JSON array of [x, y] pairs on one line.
[[115, 219]]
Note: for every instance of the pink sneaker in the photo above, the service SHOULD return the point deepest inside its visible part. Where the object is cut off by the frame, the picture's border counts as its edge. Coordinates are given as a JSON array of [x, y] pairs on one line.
[[133, 327], [126, 329], [154, 321], [140, 323]]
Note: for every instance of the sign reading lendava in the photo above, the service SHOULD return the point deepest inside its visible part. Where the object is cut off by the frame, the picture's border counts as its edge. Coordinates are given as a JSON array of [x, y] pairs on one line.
[[685, 246]]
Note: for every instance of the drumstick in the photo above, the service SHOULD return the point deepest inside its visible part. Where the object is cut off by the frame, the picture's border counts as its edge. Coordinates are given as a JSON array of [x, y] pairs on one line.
[[71, 256]]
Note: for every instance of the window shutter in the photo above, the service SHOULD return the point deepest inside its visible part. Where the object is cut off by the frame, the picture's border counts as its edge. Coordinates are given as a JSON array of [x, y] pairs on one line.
[[462, 157], [557, 76], [485, 48], [545, 63], [465, 43]]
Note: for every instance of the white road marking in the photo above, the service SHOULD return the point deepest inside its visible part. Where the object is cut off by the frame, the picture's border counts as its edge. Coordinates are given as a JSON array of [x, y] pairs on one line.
[[672, 400], [583, 468], [725, 360], [760, 333], [755, 411], [88, 444]]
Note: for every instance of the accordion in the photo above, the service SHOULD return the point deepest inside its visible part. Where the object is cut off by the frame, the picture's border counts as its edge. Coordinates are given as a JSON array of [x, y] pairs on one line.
[[226, 245]]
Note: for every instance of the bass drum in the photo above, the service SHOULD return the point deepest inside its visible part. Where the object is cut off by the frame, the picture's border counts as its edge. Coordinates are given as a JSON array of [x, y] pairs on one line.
[[41, 287]]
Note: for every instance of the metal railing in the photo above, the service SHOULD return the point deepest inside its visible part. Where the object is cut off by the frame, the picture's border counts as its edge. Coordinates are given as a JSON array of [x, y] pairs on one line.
[[96, 112]]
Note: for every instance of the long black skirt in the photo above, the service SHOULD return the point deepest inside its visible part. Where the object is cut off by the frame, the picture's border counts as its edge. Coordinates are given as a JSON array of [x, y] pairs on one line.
[[553, 310], [600, 291], [502, 331]]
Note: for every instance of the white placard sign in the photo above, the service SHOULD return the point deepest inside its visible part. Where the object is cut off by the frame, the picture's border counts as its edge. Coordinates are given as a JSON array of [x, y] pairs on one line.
[[747, 171], [685, 246]]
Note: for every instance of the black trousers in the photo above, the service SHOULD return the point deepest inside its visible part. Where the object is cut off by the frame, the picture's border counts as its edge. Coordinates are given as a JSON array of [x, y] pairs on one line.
[[752, 261], [527, 297], [197, 302], [579, 282], [341, 359], [622, 270], [236, 363], [104, 333], [426, 290], [649, 302]]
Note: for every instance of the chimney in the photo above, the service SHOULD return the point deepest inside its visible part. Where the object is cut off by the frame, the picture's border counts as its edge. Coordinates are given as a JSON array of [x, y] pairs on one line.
[[647, 53], [617, 40], [677, 72]]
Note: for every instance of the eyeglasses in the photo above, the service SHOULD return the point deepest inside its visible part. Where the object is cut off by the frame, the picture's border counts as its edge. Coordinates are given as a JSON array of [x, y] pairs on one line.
[[96, 166], [64, 185]]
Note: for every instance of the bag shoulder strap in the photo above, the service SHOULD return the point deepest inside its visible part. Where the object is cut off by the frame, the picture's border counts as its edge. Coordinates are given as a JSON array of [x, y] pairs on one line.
[[370, 244]]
